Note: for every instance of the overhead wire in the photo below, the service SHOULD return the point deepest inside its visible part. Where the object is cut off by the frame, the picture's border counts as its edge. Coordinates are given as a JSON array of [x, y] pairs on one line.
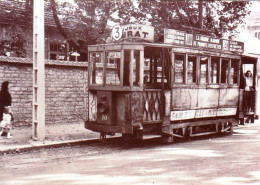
[[186, 7], [186, 17]]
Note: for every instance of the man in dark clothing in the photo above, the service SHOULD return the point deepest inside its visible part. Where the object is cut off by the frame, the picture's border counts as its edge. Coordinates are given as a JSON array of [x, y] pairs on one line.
[[5, 98]]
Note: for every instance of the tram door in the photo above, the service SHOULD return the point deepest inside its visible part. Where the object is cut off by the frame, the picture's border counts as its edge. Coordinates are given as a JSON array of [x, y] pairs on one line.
[[157, 62], [248, 93]]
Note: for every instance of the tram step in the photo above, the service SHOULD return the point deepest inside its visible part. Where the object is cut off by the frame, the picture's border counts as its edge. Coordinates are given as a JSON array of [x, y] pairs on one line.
[[151, 136]]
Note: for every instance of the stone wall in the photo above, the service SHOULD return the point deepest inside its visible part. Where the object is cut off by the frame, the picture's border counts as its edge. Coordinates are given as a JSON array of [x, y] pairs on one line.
[[65, 90]]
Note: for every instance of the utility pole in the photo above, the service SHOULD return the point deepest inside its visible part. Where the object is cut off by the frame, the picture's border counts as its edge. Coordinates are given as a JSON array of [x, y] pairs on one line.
[[38, 117], [200, 14]]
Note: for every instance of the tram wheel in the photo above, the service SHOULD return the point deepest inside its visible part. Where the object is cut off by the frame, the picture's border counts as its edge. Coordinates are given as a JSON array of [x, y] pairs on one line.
[[231, 127], [241, 121], [103, 137], [252, 119]]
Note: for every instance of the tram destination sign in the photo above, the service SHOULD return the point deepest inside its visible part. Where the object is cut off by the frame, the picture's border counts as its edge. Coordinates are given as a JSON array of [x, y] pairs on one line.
[[133, 32], [172, 36]]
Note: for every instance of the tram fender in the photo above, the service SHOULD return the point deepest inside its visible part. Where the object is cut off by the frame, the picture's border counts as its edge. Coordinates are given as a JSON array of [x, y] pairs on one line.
[[92, 125]]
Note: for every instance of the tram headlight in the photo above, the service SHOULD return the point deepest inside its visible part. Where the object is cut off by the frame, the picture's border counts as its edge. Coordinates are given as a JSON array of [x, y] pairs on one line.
[[102, 106]]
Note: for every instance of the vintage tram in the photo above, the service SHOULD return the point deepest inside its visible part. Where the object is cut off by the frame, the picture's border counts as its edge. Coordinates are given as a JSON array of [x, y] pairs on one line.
[[188, 86]]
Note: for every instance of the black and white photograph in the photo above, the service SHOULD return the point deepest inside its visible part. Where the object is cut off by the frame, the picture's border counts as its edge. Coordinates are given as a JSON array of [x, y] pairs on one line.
[[131, 92]]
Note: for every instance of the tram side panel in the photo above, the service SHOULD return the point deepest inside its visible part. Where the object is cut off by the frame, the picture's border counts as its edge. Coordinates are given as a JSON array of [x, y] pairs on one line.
[[195, 99], [201, 106]]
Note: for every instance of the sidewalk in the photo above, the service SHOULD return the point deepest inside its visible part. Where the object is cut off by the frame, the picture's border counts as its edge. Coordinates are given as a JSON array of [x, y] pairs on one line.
[[54, 134], [57, 135]]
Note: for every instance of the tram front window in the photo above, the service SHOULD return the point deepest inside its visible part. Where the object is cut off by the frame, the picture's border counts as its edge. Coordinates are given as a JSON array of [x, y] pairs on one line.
[[113, 67], [131, 72], [96, 68]]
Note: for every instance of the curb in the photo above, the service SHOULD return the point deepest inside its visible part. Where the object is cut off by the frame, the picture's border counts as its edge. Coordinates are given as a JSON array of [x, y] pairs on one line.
[[21, 149]]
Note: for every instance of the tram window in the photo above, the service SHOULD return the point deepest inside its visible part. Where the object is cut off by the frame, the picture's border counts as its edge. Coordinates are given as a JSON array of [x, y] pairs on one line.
[[203, 70], [224, 71], [214, 73], [191, 70], [136, 68], [113, 67], [146, 70], [179, 69], [96, 66], [159, 71], [127, 59], [234, 71]]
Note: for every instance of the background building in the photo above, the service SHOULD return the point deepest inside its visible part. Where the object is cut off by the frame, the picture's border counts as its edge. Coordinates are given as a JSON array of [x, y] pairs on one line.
[[16, 24]]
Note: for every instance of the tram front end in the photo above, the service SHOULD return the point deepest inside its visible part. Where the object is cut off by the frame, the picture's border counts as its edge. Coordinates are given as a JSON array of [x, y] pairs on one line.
[[114, 89]]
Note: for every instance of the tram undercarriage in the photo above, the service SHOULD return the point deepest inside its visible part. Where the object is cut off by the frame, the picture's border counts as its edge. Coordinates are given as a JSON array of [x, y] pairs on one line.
[[199, 128]]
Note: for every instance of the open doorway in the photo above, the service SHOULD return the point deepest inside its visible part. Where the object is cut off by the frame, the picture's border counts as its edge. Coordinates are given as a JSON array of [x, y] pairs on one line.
[[157, 66]]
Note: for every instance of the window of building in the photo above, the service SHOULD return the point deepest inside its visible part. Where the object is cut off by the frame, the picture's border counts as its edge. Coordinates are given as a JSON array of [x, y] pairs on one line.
[[203, 70], [179, 68], [191, 69], [214, 70], [58, 51]]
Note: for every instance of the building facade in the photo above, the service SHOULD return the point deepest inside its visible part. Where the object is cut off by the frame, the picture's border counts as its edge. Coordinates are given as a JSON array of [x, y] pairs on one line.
[[16, 24]]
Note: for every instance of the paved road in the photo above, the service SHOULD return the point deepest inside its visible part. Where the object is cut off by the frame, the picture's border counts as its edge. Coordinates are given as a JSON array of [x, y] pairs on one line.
[[223, 160]]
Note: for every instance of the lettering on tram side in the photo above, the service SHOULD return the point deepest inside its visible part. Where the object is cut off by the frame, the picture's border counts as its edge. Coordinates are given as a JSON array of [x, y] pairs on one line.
[[202, 113], [236, 46], [175, 36], [226, 111], [172, 36], [180, 115]]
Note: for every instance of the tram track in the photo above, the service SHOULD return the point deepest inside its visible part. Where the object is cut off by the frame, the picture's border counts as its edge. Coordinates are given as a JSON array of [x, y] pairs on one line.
[[117, 141]]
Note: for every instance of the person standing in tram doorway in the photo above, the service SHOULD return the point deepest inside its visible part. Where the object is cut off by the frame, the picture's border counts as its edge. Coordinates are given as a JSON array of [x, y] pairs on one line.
[[249, 97]]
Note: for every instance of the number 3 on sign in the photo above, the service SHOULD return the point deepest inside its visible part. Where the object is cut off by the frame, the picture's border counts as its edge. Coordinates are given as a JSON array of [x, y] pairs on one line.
[[117, 32], [104, 117]]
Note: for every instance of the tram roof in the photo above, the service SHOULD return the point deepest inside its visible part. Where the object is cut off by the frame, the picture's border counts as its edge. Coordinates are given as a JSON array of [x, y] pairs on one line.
[[180, 48], [135, 43]]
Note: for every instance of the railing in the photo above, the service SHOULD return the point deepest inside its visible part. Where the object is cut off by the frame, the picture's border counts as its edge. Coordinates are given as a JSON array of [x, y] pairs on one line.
[[152, 105]]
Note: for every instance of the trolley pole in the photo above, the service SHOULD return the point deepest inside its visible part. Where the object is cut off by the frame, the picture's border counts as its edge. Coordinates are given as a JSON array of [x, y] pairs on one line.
[[200, 14], [38, 117]]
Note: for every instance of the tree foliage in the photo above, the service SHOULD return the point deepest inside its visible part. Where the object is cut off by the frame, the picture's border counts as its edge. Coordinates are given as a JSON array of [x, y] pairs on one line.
[[92, 18]]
